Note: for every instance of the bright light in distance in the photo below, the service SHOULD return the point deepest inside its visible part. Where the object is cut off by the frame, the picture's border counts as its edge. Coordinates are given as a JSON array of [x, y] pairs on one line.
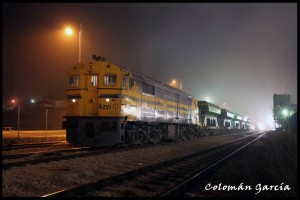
[[32, 101], [13, 101], [73, 100], [107, 99], [261, 126], [208, 99], [270, 122], [68, 31], [173, 83], [285, 112]]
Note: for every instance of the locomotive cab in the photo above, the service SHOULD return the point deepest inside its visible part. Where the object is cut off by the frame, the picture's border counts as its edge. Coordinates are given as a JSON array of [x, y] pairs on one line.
[[93, 105]]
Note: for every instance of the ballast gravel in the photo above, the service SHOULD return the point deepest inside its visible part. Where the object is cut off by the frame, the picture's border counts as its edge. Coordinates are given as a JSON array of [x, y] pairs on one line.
[[45, 178]]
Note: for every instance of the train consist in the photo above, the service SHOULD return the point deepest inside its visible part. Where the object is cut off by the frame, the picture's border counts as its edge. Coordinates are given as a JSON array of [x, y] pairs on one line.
[[109, 105]]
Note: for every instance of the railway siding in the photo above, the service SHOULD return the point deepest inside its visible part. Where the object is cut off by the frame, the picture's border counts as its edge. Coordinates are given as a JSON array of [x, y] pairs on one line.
[[44, 178]]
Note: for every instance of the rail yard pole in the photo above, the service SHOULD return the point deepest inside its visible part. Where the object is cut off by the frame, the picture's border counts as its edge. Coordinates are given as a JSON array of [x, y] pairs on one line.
[[46, 121], [19, 110], [79, 57], [180, 86]]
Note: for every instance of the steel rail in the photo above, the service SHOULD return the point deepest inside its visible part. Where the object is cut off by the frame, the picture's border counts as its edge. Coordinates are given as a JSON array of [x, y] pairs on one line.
[[28, 145], [181, 187], [85, 188], [93, 152]]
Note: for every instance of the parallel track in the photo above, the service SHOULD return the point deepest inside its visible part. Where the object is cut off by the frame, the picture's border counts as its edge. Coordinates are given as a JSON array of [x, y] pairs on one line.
[[48, 156], [162, 179], [29, 145]]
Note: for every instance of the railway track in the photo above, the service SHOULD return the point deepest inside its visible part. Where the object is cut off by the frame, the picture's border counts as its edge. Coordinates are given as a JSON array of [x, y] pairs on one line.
[[52, 152], [64, 154], [188, 187], [168, 178], [29, 145]]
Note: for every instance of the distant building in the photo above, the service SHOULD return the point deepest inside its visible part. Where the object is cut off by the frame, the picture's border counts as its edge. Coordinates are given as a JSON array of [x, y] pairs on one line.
[[51, 103], [283, 110], [33, 115]]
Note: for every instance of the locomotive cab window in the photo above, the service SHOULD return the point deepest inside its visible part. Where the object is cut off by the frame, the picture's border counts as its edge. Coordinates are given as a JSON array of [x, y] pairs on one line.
[[207, 122], [74, 81], [148, 89], [131, 82], [125, 82], [110, 79], [94, 80]]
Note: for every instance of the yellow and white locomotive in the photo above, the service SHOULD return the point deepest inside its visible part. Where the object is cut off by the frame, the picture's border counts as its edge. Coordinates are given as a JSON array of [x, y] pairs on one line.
[[108, 105]]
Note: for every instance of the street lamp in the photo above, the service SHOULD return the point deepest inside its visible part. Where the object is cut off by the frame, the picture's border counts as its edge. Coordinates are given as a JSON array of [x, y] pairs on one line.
[[208, 99], [285, 113], [69, 32], [13, 102], [175, 84]]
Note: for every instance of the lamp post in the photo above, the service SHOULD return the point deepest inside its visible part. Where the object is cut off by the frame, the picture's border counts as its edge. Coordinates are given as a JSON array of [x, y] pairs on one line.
[[285, 113], [13, 102], [19, 110], [69, 31], [175, 84], [46, 121], [79, 56], [180, 85], [208, 99]]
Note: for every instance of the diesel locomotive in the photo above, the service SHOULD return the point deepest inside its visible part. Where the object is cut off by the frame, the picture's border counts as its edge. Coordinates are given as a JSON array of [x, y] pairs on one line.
[[109, 105]]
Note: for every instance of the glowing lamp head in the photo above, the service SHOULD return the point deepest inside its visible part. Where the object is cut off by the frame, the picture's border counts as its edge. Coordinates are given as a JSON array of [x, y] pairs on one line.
[[107, 99], [68, 31], [285, 112], [73, 100], [32, 101]]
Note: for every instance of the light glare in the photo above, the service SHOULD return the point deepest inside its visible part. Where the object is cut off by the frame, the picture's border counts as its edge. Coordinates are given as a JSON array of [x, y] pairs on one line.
[[69, 31], [285, 112], [261, 126]]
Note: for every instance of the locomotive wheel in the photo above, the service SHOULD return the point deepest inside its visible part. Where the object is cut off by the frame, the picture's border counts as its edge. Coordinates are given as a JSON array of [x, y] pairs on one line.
[[153, 138], [138, 137]]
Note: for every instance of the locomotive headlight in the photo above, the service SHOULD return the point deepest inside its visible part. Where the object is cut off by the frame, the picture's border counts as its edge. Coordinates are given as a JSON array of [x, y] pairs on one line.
[[73, 100], [107, 99]]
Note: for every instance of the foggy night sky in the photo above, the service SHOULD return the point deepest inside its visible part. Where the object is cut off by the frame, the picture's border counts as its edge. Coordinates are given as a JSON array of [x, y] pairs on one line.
[[238, 53]]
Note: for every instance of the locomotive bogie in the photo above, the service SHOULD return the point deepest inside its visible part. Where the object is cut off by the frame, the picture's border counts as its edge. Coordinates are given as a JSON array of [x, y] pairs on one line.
[[95, 131]]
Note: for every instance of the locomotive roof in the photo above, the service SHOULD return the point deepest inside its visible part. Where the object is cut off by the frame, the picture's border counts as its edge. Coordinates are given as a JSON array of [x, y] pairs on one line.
[[155, 83]]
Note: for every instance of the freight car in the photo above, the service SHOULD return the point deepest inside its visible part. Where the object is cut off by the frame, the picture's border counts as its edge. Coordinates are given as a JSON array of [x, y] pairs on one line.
[[109, 105], [214, 120]]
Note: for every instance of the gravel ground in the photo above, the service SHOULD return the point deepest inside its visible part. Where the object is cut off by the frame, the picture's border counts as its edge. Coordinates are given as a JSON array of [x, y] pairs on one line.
[[41, 179]]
